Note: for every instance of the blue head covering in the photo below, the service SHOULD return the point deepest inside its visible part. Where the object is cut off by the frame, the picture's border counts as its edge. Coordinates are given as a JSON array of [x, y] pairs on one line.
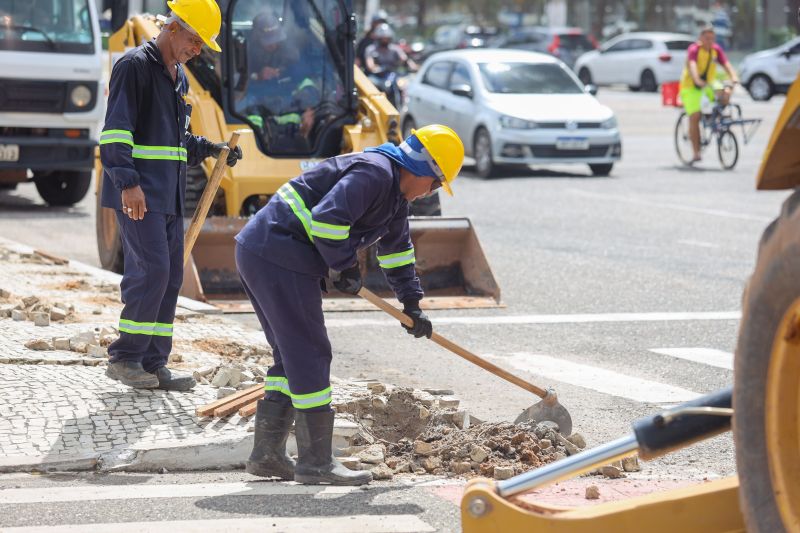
[[410, 155]]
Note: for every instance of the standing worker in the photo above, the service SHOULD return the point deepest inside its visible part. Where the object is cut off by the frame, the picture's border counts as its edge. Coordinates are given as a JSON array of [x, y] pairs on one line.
[[145, 148], [317, 222], [700, 78]]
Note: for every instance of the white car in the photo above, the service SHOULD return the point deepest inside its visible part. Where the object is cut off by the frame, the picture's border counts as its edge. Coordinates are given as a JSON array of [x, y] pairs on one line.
[[772, 71], [640, 60], [513, 107]]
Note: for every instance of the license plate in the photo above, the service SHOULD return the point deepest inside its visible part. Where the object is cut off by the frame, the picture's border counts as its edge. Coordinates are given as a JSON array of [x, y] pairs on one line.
[[9, 152], [572, 143]]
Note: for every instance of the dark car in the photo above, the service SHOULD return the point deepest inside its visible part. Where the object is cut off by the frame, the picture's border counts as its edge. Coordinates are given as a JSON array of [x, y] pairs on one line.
[[567, 44]]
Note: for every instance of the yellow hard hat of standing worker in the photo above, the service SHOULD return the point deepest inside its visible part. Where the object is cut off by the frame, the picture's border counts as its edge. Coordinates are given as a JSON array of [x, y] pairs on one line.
[[203, 16], [446, 150]]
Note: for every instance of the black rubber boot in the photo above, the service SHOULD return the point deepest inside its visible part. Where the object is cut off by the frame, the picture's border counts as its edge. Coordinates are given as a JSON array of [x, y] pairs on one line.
[[315, 462], [269, 457], [131, 374], [170, 380]]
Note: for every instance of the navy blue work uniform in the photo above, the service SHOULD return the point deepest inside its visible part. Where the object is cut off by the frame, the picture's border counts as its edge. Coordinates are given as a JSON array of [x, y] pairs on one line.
[[316, 222], [145, 142]]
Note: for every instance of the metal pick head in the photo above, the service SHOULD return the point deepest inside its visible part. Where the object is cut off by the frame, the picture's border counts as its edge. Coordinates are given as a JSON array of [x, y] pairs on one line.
[[542, 411]]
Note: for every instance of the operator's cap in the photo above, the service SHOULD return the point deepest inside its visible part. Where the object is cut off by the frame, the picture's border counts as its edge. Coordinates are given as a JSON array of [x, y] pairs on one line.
[[268, 29]]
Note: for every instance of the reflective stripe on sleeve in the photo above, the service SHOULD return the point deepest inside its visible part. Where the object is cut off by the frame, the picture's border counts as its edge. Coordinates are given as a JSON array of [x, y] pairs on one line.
[[158, 329], [397, 260], [294, 200], [329, 231], [116, 136], [171, 153]]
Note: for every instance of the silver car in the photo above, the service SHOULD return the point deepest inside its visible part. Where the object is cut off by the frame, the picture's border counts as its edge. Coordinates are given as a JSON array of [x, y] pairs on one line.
[[514, 108]]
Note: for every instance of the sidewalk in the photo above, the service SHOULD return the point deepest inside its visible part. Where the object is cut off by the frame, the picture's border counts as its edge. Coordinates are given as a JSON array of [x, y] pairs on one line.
[[58, 410]]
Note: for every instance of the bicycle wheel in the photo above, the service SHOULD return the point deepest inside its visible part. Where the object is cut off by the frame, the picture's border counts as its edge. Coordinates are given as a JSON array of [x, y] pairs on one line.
[[683, 144], [727, 149]]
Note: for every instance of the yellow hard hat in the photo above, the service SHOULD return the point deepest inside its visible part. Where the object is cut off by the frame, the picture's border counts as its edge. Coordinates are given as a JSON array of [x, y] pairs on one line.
[[445, 148], [203, 16]]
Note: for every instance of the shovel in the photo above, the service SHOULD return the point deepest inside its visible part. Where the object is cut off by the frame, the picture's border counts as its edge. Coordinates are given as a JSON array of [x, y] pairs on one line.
[[547, 409]]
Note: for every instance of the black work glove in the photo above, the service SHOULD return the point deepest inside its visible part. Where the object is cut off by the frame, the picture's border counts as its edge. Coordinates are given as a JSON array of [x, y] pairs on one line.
[[349, 280], [422, 324], [233, 156]]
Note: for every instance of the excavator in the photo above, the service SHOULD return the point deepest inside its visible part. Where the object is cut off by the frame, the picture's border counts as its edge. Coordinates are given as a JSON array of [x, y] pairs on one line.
[[344, 113], [762, 409]]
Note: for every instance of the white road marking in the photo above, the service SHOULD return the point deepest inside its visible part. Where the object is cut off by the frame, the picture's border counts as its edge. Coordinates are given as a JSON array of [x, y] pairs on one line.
[[192, 490], [699, 244], [329, 524], [597, 379], [706, 356], [545, 319], [674, 207]]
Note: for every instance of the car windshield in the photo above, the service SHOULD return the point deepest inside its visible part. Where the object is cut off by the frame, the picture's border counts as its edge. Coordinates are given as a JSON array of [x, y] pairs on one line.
[[527, 78], [46, 26], [576, 42], [290, 84], [678, 45]]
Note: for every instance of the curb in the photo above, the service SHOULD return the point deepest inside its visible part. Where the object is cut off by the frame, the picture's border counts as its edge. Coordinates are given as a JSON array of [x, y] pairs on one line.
[[49, 463]]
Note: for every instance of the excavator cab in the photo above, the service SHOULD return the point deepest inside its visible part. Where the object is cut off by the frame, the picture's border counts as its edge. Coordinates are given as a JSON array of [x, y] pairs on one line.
[[286, 75]]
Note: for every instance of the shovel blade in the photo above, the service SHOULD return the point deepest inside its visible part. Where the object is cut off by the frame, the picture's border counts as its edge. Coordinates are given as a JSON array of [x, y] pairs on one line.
[[555, 412]]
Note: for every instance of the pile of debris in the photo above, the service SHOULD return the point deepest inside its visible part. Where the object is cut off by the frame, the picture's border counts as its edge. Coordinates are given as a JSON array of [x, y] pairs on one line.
[[244, 365], [93, 343], [34, 309]]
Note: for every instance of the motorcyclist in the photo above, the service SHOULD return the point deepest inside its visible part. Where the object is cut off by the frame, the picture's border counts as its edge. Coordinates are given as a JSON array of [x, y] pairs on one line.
[[380, 17], [384, 59]]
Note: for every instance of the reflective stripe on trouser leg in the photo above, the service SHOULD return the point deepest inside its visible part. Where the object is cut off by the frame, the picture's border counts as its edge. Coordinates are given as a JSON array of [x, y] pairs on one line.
[[161, 345], [146, 247], [292, 306]]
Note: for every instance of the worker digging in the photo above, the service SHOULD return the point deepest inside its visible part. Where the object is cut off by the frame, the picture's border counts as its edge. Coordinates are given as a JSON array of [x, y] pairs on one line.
[[315, 224], [145, 148]]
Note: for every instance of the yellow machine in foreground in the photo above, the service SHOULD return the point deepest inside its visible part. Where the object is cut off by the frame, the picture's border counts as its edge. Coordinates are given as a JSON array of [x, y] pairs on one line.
[[765, 496], [317, 107]]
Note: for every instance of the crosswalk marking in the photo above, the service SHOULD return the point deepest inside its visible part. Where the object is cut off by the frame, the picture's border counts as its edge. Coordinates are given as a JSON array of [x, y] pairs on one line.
[[332, 524], [545, 319], [191, 490], [597, 379], [706, 356]]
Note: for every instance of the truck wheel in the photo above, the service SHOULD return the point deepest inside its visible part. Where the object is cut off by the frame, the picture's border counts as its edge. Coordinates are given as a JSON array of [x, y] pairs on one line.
[[766, 401], [62, 188], [109, 245]]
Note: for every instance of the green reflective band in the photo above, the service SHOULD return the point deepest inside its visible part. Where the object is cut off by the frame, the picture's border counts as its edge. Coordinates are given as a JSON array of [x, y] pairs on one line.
[[288, 118], [158, 329], [304, 84], [277, 383], [329, 231], [397, 260], [116, 136], [171, 153], [257, 120], [314, 399], [291, 197]]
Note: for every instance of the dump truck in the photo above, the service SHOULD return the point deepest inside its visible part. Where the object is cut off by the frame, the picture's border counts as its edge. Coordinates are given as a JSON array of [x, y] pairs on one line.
[[348, 114], [762, 409]]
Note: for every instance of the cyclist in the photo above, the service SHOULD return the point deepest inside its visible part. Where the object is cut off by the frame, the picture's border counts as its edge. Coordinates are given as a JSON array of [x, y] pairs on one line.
[[699, 78]]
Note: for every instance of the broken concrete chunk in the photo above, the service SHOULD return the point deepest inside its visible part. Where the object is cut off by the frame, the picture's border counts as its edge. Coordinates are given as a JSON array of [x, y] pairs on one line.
[[4, 294], [248, 376], [38, 344], [570, 448], [30, 301], [423, 413], [423, 448], [478, 453], [351, 463], [6, 310], [460, 467], [18, 315], [227, 376], [379, 403], [76, 345], [41, 319], [503, 472], [578, 440], [93, 350], [87, 337], [429, 464], [424, 398], [611, 472], [382, 472], [61, 343], [246, 385], [374, 454], [592, 492], [440, 392], [203, 372], [225, 391], [461, 419], [631, 464], [57, 314], [545, 443], [402, 467], [449, 402], [376, 388]]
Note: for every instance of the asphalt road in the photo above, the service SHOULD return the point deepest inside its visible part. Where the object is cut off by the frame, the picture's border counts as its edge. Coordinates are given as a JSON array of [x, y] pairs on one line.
[[622, 292]]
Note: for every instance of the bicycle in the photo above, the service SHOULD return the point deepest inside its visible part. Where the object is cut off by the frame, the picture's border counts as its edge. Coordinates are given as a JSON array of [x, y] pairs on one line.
[[718, 124]]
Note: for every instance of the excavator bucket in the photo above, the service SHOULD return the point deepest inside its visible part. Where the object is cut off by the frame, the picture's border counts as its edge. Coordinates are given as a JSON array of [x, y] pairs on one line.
[[450, 263], [780, 166]]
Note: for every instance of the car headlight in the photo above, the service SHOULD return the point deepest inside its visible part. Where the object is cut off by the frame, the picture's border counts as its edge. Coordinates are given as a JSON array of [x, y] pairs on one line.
[[514, 123], [81, 96], [609, 124]]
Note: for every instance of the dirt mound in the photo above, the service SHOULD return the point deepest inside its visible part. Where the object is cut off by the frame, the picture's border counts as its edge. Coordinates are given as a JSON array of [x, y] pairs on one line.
[[230, 349]]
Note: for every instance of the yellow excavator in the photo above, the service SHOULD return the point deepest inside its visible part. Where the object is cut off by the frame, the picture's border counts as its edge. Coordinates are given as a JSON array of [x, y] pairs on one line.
[[762, 407], [348, 113]]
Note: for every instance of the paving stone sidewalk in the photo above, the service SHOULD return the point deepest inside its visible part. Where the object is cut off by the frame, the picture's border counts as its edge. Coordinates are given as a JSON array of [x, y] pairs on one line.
[[57, 408]]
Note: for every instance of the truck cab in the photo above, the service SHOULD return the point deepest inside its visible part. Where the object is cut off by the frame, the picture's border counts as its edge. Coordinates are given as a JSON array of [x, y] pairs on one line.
[[51, 96]]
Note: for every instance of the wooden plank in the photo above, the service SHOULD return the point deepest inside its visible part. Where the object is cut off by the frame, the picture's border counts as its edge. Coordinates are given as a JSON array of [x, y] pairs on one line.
[[232, 407], [205, 410], [248, 410]]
